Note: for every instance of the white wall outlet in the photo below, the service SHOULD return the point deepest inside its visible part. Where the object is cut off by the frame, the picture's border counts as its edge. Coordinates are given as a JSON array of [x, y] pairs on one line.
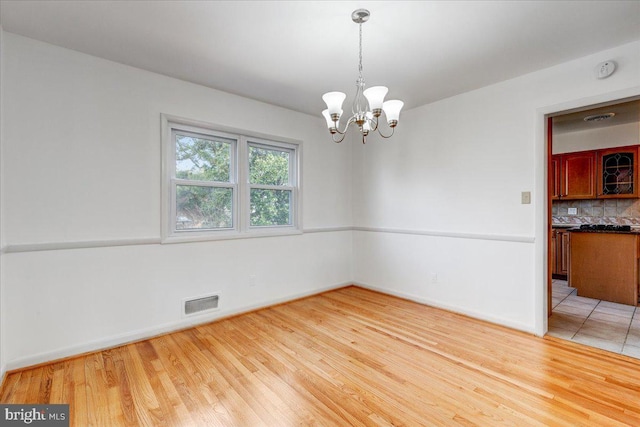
[[434, 277], [573, 211], [252, 280], [526, 197]]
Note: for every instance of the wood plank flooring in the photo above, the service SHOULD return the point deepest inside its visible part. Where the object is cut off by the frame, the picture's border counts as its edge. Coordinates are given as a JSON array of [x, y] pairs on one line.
[[350, 357]]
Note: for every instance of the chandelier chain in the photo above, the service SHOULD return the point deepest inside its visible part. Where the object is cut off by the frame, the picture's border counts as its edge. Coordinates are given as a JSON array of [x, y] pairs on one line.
[[360, 57]]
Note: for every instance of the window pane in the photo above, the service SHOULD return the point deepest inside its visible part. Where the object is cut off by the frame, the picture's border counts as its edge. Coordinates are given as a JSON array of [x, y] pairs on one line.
[[270, 207], [203, 159], [268, 166], [203, 207]]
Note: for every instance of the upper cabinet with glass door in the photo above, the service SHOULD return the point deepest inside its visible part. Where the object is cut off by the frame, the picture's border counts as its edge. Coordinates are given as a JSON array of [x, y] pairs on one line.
[[617, 175]]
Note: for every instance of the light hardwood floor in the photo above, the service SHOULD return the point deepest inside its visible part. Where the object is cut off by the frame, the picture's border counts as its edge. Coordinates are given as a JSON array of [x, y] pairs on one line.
[[345, 357]]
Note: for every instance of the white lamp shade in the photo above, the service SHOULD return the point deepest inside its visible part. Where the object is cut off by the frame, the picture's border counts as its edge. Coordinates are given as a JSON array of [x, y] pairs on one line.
[[375, 95], [327, 116], [334, 101], [392, 109]]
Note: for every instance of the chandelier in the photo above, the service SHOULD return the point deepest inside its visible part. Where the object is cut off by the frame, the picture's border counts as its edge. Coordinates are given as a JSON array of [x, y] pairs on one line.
[[366, 113]]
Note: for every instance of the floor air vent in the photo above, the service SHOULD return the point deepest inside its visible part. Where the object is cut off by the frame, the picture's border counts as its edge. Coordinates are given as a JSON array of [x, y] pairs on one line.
[[200, 304]]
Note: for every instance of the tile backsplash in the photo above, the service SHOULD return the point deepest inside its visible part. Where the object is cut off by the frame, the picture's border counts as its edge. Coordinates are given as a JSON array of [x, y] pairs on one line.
[[597, 211]]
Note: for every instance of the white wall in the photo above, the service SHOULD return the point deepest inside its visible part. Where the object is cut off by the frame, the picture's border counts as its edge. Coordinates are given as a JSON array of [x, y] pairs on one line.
[[593, 139], [81, 169], [444, 195]]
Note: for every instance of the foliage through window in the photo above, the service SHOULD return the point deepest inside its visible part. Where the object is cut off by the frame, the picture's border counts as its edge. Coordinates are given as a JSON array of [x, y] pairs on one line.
[[231, 184]]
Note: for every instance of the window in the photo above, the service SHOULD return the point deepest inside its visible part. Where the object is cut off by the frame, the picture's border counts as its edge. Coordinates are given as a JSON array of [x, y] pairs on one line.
[[271, 185], [204, 181], [221, 184]]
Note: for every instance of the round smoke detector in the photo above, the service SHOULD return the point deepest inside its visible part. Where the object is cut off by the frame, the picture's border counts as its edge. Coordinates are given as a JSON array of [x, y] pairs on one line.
[[605, 69], [599, 117]]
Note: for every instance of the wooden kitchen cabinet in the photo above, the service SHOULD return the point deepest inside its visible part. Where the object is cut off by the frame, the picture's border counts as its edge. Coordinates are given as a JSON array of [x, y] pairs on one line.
[[607, 173], [605, 266], [618, 172], [554, 177], [560, 251], [564, 242], [573, 175], [554, 253]]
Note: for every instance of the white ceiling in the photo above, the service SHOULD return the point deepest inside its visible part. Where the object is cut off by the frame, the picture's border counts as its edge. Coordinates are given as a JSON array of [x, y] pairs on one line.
[[289, 53]]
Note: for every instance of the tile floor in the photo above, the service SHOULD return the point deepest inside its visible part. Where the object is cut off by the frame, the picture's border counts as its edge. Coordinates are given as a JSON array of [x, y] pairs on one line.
[[606, 325]]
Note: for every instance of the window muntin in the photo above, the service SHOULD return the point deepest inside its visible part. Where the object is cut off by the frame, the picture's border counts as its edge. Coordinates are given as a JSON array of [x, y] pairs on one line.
[[225, 185]]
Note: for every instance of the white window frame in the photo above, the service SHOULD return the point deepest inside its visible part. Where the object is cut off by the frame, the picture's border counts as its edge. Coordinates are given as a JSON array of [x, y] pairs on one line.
[[275, 146], [239, 181], [233, 176]]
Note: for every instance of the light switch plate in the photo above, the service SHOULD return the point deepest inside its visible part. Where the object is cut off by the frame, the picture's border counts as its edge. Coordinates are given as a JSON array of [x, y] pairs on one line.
[[526, 197], [573, 211]]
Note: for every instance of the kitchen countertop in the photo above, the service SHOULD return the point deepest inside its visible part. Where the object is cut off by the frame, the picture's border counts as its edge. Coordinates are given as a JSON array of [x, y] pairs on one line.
[[576, 228]]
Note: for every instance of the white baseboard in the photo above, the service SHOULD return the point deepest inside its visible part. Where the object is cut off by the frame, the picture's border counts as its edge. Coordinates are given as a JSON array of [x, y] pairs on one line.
[[449, 307], [142, 334]]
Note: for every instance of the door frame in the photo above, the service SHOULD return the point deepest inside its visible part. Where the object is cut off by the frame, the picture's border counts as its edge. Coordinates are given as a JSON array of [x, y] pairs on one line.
[[542, 197]]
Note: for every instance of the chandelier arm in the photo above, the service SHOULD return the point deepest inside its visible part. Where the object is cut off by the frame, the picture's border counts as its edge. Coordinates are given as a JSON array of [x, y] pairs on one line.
[[352, 119], [338, 141], [374, 124], [387, 136], [336, 130]]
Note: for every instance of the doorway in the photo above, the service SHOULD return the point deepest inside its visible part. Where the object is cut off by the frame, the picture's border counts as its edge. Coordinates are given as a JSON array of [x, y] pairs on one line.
[[573, 139]]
